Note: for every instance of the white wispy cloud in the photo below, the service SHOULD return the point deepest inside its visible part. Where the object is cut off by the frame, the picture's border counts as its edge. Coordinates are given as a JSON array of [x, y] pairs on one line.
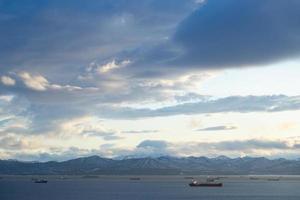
[[34, 82], [113, 65], [38, 82], [6, 80], [218, 128], [6, 98], [86, 126]]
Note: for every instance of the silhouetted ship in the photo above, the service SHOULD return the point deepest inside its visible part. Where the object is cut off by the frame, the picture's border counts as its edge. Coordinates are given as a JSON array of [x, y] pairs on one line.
[[273, 179], [135, 178], [41, 181], [188, 177], [207, 183]]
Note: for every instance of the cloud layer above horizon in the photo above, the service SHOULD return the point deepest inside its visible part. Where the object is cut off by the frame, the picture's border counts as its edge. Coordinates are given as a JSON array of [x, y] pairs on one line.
[[73, 71]]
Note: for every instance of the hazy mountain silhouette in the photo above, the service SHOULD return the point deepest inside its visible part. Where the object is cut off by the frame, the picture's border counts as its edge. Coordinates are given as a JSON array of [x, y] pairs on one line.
[[159, 165]]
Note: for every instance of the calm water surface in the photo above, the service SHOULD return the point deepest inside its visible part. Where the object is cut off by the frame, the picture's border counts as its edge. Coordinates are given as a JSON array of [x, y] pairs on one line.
[[147, 188]]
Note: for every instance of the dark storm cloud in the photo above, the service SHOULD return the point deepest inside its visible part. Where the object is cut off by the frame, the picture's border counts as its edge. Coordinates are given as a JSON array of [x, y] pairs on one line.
[[69, 34], [59, 38], [233, 33]]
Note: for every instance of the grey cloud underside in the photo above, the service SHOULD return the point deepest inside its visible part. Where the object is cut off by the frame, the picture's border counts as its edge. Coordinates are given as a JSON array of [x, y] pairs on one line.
[[51, 36], [41, 118], [228, 34], [57, 37], [161, 38], [241, 104], [234, 33]]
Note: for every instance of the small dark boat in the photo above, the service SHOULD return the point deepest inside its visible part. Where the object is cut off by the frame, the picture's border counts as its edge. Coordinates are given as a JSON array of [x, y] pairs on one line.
[[135, 178], [41, 181], [205, 184], [188, 177]]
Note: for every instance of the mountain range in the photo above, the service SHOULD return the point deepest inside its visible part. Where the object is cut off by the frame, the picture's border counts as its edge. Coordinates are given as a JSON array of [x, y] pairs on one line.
[[164, 165]]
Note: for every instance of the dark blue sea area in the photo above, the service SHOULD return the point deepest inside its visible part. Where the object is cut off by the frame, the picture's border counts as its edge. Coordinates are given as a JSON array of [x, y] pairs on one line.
[[146, 187]]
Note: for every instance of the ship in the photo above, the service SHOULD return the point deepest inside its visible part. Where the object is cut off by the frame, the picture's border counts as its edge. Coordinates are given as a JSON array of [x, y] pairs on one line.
[[188, 177], [135, 178], [41, 181], [207, 183]]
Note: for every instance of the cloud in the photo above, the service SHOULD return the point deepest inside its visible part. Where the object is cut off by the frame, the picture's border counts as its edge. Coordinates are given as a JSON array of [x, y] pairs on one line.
[[234, 33], [87, 126], [6, 80], [152, 144], [15, 143], [140, 131], [11, 143], [251, 147], [219, 35], [156, 148], [6, 98], [151, 148], [13, 115], [72, 34], [34, 82], [240, 104], [111, 137], [112, 66], [217, 128], [40, 83], [136, 59], [57, 154], [254, 147]]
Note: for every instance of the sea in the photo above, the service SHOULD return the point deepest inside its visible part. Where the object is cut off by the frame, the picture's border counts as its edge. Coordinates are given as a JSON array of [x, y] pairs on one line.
[[148, 188]]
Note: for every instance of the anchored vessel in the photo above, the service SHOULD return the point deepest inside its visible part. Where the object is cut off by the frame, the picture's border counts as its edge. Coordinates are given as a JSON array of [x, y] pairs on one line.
[[41, 181], [135, 178], [207, 183]]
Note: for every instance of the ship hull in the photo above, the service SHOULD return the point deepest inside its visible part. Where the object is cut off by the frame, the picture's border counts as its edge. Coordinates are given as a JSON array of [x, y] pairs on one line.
[[42, 181], [206, 184]]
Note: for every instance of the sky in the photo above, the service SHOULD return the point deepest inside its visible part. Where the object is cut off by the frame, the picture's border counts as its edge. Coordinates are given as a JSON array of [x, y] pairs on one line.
[[143, 78]]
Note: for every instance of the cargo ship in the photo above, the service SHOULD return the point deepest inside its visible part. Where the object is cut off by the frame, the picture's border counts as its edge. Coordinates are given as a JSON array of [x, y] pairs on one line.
[[207, 183], [135, 178], [41, 181]]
